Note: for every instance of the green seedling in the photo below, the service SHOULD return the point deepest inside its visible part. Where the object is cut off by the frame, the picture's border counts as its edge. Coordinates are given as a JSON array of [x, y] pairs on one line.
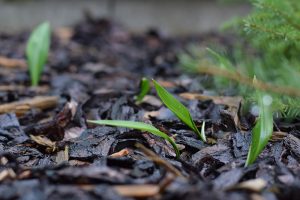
[[171, 102], [144, 89], [139, 126], [263, 129], [37, 51], [178, 109]]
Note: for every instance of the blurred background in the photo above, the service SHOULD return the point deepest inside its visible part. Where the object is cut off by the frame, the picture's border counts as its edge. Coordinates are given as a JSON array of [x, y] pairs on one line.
[[171, 17]]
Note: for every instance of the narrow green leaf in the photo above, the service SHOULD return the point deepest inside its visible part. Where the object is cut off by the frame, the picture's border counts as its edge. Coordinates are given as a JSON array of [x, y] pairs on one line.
[[263, 129], [177, 108], [140, 126], [37, 50], [144, 89]]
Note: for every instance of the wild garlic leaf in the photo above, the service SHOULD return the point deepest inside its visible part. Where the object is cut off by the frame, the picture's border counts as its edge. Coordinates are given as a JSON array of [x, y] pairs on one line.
[[263, 129], [144, 89], [139, 126], [177, 108], [37, 50]]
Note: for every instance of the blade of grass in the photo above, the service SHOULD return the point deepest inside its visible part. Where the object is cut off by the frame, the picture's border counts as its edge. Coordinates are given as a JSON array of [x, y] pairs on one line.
[[37, 50], [139, 126], [263, 129], [144, 89], [177, 108]]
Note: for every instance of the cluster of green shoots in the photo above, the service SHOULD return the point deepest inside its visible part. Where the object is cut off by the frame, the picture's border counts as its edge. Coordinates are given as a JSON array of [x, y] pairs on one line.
[[37, 53], [170, 102]]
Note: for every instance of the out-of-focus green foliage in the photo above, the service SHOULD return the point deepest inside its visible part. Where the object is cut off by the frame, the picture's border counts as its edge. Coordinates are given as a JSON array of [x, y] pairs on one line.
[[269, 51]]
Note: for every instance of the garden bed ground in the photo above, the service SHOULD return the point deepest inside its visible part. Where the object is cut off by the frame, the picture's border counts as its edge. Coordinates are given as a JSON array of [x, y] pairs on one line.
[[47, 151]]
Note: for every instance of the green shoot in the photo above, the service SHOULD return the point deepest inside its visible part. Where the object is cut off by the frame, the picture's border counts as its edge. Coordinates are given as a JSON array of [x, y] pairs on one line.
[[145, 87], [263, 129], [37, 51], [177, 108], [139, 126]]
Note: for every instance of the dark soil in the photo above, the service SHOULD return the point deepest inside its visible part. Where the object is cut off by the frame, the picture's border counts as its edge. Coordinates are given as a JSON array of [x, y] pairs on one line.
[[95, 72]]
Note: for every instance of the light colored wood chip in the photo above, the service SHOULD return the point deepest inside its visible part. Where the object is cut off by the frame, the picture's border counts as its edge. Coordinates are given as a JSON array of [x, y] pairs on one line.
[[21, 107], [278, 136], [43, 141], [37, 89], [138, 191], [12, 63], [152, 100], [62, 156], [7, 174], [119, 154], [254, 185], [223, 100]]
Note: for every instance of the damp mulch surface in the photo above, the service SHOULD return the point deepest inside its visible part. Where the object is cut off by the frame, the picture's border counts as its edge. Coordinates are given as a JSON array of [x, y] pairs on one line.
[[48, 151]]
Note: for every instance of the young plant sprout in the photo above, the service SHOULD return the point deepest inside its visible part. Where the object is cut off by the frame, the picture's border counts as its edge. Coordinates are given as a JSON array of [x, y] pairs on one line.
[[144, 89], [263, 129], [172, 103], [37, 51], [178, 109], [139, 126]]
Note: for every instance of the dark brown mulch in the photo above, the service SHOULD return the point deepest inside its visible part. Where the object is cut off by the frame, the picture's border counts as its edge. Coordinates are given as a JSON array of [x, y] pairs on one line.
[[96, 73]]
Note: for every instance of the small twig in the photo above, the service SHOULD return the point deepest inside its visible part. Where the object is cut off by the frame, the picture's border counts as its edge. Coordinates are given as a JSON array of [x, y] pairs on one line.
[[12, 63], [155, 158], [235, 76], [18, 88], [21, 107]]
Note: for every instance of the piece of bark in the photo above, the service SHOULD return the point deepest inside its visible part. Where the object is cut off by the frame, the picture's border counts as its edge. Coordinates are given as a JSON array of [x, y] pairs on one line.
[[119, 154], [63, 155], [254, 185], [21, 107], [16, 88], [293, 144], [137, 191], [224, 100], [12, 63]]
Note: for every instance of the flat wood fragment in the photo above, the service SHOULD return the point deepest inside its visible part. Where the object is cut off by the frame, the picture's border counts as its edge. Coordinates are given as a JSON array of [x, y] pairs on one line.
[[119, 154], [16, 88], [23, 106], [224, 100], [12, 63], [138, 191]]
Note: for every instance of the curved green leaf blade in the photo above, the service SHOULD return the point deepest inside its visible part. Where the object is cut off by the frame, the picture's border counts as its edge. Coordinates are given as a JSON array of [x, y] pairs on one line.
[[145, 87], [263, 129], [177, 108], [140, 126], [37, 50]]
